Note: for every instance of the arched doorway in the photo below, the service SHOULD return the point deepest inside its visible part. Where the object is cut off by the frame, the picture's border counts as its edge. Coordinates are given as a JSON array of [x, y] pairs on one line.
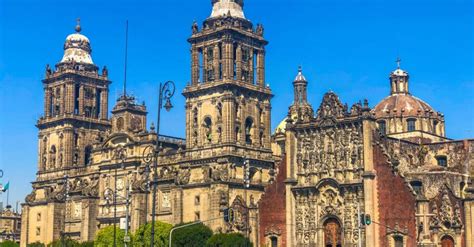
[[332, 233], [447, 241]]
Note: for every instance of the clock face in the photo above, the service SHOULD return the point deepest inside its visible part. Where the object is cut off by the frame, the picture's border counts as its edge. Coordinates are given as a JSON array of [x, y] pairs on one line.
[[135, 124], [120, 123]]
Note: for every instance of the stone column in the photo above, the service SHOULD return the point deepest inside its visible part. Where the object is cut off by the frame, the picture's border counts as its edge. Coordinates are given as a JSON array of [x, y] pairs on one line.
[[216, 62], [47, 102], [104, 103], [68, 147], [370, 197], [238, 61], [25, 214], [267, 124], [261, 68], [89, 221], [228, 60], [69, 105], [194, 65], [228, 119], [62, 105], [137, 210], [81, 100], [469, 221]]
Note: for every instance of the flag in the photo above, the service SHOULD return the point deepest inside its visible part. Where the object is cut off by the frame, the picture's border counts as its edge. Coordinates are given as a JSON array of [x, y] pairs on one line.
[[5, 188]]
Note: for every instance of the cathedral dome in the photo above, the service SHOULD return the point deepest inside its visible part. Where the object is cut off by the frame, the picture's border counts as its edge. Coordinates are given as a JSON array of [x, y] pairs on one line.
[[403, 105], [281, 128], [77, 48]]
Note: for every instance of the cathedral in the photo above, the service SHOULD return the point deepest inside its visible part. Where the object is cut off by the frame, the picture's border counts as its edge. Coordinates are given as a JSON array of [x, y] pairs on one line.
[[329, 176]]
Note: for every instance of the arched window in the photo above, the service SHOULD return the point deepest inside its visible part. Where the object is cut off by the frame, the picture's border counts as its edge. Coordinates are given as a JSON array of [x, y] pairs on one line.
[[442, 160], [248, 130], [273, 241], [382, 127], [435, 126], [411, 124], [398, 241], [87, 155], [208, 129]]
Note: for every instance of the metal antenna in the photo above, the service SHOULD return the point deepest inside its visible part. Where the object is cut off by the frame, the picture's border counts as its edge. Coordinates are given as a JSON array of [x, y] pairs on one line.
[[126, 57]]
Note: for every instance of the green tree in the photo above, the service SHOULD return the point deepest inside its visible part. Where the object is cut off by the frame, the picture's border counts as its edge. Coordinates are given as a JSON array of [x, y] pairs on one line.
[[192, 236], [9, 243], [228, 240], [105, 237], [142, 236], [67, 242], [36, 244]]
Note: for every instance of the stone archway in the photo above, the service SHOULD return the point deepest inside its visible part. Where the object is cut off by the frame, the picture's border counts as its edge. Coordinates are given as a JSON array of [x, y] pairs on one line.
[[447, 241], [332, 233]]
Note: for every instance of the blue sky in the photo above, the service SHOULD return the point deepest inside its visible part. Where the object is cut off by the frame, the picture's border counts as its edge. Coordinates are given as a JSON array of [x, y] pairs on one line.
[[346, 46]]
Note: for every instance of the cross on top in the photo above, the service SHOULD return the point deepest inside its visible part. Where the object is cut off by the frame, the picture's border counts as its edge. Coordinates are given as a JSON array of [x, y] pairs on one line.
[[398, 62]]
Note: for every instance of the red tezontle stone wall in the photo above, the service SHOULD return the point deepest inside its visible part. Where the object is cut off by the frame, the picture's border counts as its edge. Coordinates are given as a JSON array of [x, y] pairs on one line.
[[395, 201], [272, 207]]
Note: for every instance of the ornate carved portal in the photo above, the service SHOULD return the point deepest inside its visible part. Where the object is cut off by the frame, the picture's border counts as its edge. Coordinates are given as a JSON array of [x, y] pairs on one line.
[[447, 241], [332, 233]]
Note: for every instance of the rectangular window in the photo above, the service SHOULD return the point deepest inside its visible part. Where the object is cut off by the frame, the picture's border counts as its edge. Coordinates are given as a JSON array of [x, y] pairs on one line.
[[382, 128], [411, 124], [442, 161]]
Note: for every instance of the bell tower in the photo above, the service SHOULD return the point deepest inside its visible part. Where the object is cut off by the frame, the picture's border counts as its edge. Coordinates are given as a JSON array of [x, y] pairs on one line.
[[75, 108], [228, 102], [228, 113]]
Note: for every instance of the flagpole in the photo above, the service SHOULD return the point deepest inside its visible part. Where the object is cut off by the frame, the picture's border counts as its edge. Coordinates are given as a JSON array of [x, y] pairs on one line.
[[8, 192]]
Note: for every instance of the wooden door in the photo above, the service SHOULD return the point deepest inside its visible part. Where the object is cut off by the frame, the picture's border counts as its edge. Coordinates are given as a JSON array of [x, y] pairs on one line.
[[332, 233], [447, 241]]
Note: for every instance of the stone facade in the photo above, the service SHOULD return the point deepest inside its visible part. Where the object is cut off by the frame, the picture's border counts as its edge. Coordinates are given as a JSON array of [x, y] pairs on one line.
[[308, 181], [10, 225]]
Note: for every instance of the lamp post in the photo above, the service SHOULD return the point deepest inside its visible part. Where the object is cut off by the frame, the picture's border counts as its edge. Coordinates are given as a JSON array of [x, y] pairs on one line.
[[66, 197], [119, 154], [166, 91]]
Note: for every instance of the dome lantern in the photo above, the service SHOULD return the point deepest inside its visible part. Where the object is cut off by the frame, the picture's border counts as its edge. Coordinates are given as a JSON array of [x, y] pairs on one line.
[[77, 48], [399, 80]]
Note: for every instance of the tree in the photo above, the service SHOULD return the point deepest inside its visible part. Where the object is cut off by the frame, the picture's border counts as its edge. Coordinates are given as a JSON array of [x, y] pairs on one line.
[[67, 242], [9, 243], [142, 236], [228, 240], [36, 244], [70, 243], [105, 237], [192, 236]]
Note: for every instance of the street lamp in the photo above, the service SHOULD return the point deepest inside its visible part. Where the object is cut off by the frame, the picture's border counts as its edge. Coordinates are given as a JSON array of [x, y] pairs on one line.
[[108, 194], [66, 197], [120, 153], [166, 91]]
